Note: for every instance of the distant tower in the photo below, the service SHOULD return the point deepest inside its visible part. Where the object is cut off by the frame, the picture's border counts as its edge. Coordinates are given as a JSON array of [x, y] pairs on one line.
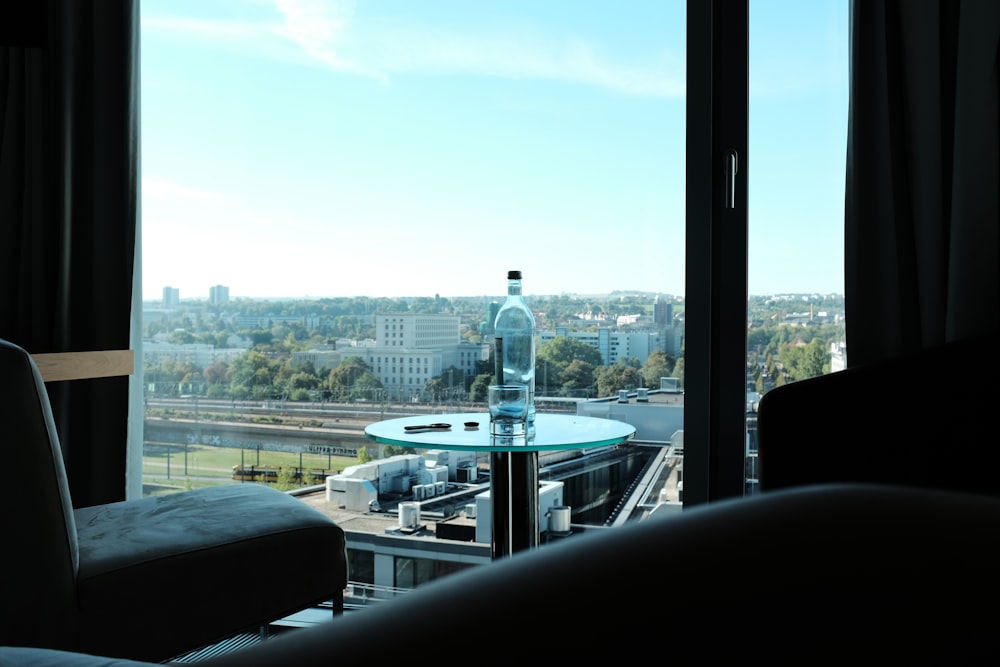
[[663, 312], [491, 316], [218, 294], [171, 296]]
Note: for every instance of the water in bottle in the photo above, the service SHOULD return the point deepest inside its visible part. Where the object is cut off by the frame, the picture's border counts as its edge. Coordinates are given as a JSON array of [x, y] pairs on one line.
[[515, 341]]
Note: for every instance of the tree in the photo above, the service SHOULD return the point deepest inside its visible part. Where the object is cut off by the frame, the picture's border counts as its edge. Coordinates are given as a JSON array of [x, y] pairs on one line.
[[365, 385], [814, 359], [548, 377], [396, 450], [216, 373], [562, 350], [578, 378], [181, 338], [286, 479], [623, 374], [303, 381], [657, 365], [217, 390], [343, 378], [477, 392], [679, 371], [192, 381], [251, 375], [557, 356], [444, 386], [435, 387]]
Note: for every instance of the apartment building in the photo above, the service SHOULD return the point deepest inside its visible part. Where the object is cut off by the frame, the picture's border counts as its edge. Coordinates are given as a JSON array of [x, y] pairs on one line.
[[613, 345]]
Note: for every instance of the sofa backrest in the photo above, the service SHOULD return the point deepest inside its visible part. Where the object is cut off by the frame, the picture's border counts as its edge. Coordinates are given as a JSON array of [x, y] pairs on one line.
[[927, 419]]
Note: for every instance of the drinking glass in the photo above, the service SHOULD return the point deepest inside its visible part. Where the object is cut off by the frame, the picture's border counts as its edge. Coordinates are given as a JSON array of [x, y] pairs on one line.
[[508, 409]]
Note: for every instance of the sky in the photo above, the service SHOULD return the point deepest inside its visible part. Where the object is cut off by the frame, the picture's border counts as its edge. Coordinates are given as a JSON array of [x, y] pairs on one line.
[[313, 148]]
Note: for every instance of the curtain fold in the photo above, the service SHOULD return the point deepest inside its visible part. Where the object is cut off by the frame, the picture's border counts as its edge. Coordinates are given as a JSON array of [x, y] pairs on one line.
[[922, 248], [68, 211]]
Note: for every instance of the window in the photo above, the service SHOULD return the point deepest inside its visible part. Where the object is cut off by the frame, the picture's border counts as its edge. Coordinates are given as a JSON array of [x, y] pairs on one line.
[[798, 95], [294, 150], [796, 86]]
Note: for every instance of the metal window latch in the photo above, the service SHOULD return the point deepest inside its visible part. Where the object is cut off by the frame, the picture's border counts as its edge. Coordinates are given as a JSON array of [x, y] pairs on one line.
[[731, 167]]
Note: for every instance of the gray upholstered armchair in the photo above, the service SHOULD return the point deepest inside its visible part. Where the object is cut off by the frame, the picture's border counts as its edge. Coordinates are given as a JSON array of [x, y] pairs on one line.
[[144, 579]]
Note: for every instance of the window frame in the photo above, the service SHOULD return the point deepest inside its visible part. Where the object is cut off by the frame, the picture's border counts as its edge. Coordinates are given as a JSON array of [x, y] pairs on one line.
[[716, 250]]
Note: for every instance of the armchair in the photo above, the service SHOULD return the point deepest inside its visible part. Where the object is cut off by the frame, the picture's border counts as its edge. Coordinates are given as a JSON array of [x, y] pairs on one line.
[[924, 420], [144, 579]]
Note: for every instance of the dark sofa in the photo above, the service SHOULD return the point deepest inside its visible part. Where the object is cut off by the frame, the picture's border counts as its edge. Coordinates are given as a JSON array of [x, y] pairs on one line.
[[812, 575]]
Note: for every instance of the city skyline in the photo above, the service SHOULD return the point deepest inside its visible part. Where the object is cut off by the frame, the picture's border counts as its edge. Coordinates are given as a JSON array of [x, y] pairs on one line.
[[206, 296], [296, 149]]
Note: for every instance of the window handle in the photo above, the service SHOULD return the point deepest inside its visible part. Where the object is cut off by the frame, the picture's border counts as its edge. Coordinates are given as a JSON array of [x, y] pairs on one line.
[[731, 167]]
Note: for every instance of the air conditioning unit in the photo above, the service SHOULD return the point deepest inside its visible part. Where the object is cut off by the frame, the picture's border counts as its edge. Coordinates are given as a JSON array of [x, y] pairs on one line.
[[409, 515], [622, 396], [642, 394], [419, 492], [440, 488]]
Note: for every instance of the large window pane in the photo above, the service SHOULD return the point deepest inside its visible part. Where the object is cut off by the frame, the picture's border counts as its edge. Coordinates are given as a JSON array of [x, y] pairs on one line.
[[315, 172], [798, 61]]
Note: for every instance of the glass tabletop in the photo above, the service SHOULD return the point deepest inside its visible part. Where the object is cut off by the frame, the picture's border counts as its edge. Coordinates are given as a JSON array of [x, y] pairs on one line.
[[550, 432]]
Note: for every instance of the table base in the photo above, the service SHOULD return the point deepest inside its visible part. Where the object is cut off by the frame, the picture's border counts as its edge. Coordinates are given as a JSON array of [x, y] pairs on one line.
[[514, 500]]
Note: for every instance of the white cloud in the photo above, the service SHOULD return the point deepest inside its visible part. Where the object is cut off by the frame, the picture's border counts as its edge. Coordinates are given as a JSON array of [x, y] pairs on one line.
[[516, 55], [318, 27], [329, 33]]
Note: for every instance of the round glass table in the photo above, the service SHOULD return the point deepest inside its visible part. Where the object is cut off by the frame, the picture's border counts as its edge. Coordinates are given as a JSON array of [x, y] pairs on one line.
[[513, 460]]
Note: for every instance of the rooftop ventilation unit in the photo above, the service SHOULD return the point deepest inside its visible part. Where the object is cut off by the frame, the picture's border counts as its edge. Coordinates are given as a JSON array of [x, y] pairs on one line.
[[409, 515], [559, 519], [642, 394], [419, 492], [622, 396], [670, 384]]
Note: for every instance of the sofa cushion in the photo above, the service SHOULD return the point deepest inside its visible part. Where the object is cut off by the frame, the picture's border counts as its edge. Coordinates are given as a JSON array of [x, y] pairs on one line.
[[212, 561]]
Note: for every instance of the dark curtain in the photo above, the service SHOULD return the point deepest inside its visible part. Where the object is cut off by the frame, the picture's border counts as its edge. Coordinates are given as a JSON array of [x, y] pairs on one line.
[[923, 176], [68, 197]]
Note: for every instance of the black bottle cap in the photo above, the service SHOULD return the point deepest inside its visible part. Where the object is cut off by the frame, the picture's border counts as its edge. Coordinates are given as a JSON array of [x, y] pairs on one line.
[[513, 275]]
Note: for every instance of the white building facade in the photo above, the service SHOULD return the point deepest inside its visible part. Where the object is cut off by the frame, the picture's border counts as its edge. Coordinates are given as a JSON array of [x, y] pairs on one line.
[[408, 351], [613, 345]]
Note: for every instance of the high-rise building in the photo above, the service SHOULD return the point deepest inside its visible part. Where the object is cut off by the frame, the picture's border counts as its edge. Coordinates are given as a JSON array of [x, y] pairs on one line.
[[663, 312], [171, 296], [218, 294]]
